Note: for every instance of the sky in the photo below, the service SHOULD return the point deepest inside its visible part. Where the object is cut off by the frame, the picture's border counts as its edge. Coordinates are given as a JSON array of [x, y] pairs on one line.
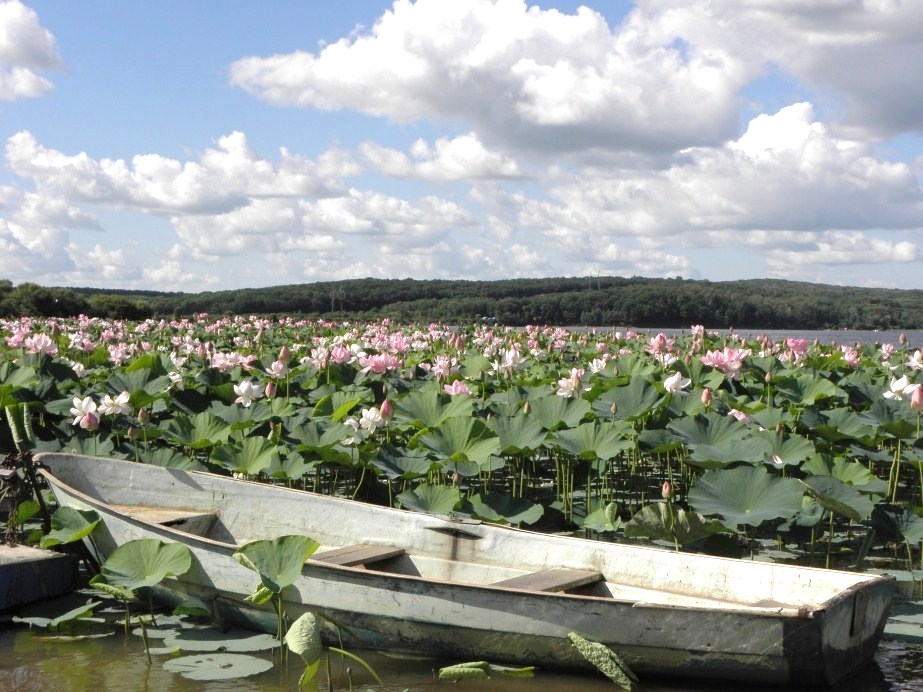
[[221, 144]]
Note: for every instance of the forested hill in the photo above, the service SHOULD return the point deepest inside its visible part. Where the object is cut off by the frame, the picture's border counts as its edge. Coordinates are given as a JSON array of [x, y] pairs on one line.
[[639, 302]]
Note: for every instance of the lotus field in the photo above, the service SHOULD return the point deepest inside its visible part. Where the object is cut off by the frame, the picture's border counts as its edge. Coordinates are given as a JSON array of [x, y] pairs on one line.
[[781, 450]]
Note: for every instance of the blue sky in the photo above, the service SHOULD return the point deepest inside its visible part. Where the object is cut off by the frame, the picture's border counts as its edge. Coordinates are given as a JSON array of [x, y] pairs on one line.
[[221, 144]]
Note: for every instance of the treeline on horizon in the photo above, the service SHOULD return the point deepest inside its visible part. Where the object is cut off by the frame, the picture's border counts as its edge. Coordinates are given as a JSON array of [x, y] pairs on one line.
[[592, 301]]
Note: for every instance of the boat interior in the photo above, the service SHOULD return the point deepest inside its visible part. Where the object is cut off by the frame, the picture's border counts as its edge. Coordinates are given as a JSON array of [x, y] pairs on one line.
[[396, 560]]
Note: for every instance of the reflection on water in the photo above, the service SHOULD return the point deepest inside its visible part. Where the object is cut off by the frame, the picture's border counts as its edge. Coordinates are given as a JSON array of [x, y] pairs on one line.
[[31, 662]]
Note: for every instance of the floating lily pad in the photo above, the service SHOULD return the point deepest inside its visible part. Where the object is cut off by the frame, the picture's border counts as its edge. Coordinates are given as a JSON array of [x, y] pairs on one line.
[[212, 640], [217, 666]]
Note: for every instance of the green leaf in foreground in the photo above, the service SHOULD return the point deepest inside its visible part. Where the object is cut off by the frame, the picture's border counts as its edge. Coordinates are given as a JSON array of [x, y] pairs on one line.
[[278, 561], [303, 639], [606, 661]]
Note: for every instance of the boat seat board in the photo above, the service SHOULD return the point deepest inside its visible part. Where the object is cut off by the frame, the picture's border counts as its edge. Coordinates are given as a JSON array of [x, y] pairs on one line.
[[360, 554], [556, 579], [189, 520]]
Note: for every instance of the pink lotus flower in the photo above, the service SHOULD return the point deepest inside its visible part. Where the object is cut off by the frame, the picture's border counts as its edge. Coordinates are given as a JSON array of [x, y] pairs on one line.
[[380, 363], [457, 387], [41, 343], [729, 360]]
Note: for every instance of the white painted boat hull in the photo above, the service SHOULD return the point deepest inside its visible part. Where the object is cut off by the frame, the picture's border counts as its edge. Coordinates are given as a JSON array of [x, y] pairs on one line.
[[663, 612]]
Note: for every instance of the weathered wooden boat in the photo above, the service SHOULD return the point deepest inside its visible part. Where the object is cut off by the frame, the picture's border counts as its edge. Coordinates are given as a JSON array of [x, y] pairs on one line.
[[464, 590]]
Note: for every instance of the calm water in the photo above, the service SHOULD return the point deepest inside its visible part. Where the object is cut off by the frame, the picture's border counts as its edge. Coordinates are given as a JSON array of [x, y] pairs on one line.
[[30, 662], [838, 336]]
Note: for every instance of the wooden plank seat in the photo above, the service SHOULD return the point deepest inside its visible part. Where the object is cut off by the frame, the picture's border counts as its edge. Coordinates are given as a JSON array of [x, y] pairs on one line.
[[360, 554], [550, 580], [193, 521]]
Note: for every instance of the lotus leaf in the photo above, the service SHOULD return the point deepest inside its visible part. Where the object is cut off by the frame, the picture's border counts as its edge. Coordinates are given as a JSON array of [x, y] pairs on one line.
[[519, 434], [432, 499], [661, 522], [462, 439], [278, 561], [217, 666], [745, 495], [606, 661], [839, 424], [851, 472], [806, 390], [430, 408], [836, 496], [65, 621], [719, 441], [207, 639], [632, 402], [250, 456], [400, 463], [554, 412], [304, 640], [792, 450], [603, 519], [595, 440], [69, 525], [145, 562], [504, 508], [199, 431]]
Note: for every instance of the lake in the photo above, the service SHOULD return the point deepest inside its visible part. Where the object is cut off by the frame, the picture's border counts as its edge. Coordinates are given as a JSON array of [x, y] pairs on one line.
[[30, 662]]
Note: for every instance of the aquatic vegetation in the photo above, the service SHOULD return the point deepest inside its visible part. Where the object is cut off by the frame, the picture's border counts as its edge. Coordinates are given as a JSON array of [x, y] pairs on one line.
[[539, 426]]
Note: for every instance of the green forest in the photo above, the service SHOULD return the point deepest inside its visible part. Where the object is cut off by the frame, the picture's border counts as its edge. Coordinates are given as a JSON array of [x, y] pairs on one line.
[[593, 301]]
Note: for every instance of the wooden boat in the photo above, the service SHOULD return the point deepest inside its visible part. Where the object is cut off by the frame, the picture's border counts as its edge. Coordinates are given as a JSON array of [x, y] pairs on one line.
[[465, 590]]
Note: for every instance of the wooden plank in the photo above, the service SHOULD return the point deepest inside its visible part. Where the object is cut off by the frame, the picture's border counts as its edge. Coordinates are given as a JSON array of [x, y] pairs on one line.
[[193, 521], [556, 579], [352, 555]]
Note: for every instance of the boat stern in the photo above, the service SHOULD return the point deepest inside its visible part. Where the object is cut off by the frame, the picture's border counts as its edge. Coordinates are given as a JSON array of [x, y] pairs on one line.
[[850, 627]]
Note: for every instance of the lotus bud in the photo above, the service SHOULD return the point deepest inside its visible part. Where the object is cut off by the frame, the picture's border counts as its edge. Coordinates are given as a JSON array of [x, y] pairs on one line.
[[916, 399], [666, 490], [132, 433], [902, 339], [386, 410], [614, 408], [144, 416], [270, 390], [90, 421], [706, 397], [284, 354], [768, 378]]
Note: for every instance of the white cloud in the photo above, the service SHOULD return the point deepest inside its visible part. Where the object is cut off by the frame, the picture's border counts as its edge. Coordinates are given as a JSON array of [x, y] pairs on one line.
[[224, 178], [836, 247], [541, 79], [26, 48], [459, 158]]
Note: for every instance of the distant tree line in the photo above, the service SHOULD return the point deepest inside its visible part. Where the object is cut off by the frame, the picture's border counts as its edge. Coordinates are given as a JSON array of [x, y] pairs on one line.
[[598, 301]]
